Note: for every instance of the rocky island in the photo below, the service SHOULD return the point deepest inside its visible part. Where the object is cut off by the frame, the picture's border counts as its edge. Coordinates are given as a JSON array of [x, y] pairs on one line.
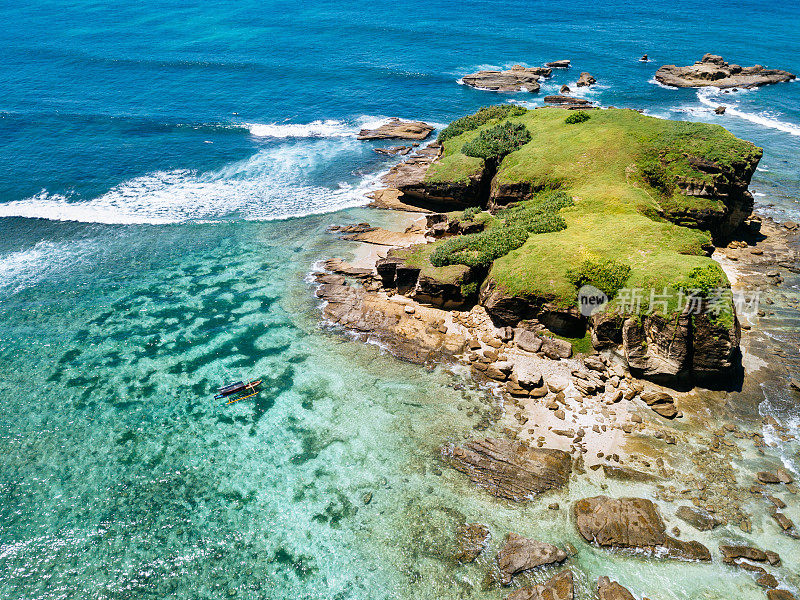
[[712, 70], [618, 200]]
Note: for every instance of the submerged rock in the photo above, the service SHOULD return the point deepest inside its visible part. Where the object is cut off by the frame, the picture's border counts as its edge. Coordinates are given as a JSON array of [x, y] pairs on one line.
[[558, 587], [395, 128], [712, 70], [472, 539], [522, 554], [511, 470], [516, 79], [698, 518], [633, 523]]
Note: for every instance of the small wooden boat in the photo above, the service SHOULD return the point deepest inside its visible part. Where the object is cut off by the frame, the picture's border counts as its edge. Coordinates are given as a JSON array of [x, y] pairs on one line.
[[239, 387]]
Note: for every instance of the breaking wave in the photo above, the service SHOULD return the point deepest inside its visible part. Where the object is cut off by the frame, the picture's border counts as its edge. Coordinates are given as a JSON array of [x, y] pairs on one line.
[[273, 184], [710, 97]]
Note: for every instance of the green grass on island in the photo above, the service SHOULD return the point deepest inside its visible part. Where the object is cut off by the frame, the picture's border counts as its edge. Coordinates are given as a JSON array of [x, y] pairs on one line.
[[620, 168]]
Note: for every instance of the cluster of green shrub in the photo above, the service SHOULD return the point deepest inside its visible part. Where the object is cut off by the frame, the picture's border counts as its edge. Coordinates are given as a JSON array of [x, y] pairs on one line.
[[498, 141], [468, 214], [516, 224], [704, 281], [656, 175], [483, 116], [607, 275], [577, 117]]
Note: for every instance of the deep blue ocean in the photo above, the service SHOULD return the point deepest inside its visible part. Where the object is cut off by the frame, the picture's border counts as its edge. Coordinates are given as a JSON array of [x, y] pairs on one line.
[[168, 170]]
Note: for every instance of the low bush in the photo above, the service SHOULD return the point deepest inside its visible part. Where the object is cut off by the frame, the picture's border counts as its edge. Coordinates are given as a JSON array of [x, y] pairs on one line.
[[470, 213], [483, 116], [607, 275], [496, 142], [481, 249], [655, 174], [704, 281], [580, 116]]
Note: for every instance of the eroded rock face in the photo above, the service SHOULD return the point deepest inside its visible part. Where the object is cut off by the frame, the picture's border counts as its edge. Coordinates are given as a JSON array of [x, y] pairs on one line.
[[522, 554], [611, 590], [507, 469], [632, 523], [397, 129], [558, 587], [712, 70], [516, 79]]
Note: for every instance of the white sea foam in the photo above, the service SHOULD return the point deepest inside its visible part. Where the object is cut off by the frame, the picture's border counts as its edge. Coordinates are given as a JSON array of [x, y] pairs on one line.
[[273, 184], [655, 81], [328, 128], [23, 268], [710, 97]]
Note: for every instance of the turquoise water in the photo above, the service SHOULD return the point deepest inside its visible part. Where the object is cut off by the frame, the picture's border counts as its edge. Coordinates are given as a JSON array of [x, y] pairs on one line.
[[168, 175]]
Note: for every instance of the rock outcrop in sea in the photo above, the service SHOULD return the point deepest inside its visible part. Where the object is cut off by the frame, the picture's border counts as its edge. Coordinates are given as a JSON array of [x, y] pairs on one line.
[[515, 79], [397, 129], [712, 70]]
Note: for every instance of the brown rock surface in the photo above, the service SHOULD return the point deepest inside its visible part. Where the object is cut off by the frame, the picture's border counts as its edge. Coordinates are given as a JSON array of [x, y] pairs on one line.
[[631, 523], [611, 590], [712, 70], [558, 587], [698, 518], [511, 470], [522, 554]]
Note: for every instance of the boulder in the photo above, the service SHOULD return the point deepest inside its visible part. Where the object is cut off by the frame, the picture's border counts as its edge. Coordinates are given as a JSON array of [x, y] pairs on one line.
[[516, 79], [662, 403], [564, 89], [780, 595], [730, 553], [522, 554], [712, 70], [586, 79], [720, 110], [510, 470], [555, 348], [611, 590], [698, 518], [471, 539], [633, 523], [558, 587], [527, 376], [395, 128], [558, 64], [527, 340]]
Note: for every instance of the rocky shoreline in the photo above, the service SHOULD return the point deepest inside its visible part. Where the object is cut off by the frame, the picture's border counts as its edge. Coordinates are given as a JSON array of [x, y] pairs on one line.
[[713, 70]]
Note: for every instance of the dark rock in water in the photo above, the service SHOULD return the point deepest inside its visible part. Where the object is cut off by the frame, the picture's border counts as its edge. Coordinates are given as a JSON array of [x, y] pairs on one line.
[[558, 587], [626, 473], [586, 79], [472, 539], [558, 64], [698, 518], [516, 79], [392, 150], [767, 581], [611, 590], [631, 523], [720, 110], [395, 128], [730, 553], [509, 469], [564, 89], [712, 70], [522, 554], [644, 58], [768, 477]]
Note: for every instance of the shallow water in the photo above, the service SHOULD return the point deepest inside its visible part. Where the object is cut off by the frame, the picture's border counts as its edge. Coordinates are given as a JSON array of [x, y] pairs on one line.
[[168, 175]]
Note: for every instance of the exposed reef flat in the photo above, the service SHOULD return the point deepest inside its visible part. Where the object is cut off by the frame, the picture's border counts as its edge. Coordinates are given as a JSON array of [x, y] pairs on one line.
[[712, 70]]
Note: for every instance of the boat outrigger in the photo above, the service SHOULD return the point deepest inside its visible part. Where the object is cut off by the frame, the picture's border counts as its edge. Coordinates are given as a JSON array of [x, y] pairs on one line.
[[247, 390]]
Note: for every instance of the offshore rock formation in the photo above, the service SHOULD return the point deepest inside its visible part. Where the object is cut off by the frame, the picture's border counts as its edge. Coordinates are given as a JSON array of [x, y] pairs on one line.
[[516, 79], [510, 470], [632, 523], [397, 129], [712, 70], [558, 587]]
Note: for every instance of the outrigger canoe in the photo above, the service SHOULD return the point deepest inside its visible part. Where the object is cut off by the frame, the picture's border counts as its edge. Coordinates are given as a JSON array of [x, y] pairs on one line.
[[239, 387]]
